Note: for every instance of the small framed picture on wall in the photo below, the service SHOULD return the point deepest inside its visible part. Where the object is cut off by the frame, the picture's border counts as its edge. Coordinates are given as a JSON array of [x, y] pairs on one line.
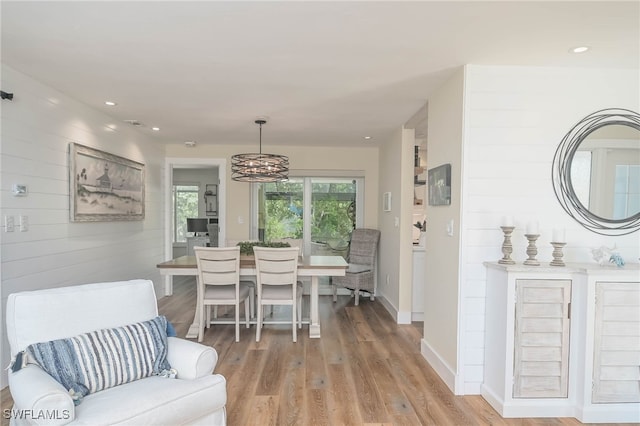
[[386, 202], [439, 184]]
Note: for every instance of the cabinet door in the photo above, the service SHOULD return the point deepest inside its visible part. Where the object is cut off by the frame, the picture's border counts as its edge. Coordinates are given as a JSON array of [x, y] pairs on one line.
[[616, 366], [541, 341]]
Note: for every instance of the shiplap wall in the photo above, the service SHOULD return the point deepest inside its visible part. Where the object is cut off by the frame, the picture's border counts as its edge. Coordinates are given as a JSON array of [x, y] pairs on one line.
[[515, 117], [37, 127]]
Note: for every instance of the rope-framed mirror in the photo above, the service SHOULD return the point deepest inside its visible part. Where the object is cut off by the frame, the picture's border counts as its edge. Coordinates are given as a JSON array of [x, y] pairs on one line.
[[596, 172]]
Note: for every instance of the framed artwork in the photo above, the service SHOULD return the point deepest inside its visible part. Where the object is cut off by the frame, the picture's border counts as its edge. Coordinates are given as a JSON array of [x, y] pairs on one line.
[[439, 184], [386, 202], [104, 187]]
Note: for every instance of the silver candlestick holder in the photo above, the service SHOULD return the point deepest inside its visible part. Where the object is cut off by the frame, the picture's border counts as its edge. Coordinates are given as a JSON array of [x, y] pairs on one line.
[[557, 254], [507, 247], [532, 250]]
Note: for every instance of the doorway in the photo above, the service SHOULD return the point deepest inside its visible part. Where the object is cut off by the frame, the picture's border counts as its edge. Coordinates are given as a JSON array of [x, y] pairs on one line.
[[192, 179]]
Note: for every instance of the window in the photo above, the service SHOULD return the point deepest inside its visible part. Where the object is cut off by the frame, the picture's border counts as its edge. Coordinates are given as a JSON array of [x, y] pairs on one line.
[[581, 176], [320, 211], [185, 204], [626, 196]]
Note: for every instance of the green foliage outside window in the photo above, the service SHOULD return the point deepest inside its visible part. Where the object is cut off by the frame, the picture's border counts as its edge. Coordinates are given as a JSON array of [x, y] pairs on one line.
[[246, 247], [330, 220], [333, 211], [185, 204]]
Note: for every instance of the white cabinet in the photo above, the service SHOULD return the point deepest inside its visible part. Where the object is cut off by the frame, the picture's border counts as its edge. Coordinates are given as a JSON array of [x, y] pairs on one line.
[[563, 342], [609, 375], [528, 340], [616, 355], [541, 338]]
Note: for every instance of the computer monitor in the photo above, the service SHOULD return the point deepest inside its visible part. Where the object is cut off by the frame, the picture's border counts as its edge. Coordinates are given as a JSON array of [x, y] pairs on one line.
[[197, 225]]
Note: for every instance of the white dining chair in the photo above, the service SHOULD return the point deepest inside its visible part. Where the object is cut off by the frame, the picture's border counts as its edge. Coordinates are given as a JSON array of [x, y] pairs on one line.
[[250, 280], [277, 283], [219, 284]]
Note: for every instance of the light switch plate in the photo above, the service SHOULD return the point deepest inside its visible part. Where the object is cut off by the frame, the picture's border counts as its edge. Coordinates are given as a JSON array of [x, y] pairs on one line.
[[9, 224], [450, 228], [24, 223]]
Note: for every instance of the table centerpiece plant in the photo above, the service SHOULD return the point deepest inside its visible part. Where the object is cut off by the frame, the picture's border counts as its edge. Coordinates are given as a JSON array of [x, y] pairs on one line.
[[246, 247]]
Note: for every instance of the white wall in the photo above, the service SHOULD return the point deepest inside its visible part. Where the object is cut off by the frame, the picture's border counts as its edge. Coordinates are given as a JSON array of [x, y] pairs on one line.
[[37, 127], [444, 145], [364, 160], [395, 250], [515, 117], [404, 232]]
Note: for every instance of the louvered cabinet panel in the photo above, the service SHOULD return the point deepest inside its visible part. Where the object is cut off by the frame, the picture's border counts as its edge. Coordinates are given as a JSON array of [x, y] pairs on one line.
[[541, 340], [616, 369]]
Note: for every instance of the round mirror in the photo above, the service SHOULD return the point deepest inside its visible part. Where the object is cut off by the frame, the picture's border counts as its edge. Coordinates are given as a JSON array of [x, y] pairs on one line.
[[596, 172]]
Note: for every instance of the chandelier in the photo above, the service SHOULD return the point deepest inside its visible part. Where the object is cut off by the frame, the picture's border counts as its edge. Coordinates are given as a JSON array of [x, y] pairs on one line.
[[259, 167]]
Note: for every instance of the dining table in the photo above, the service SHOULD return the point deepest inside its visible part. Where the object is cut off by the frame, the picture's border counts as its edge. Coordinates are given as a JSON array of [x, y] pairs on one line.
[[311, 266]]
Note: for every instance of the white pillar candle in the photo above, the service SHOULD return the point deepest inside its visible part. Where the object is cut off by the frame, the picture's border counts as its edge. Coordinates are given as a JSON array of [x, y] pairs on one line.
[[532, 228], [507, 221], [558, 236]]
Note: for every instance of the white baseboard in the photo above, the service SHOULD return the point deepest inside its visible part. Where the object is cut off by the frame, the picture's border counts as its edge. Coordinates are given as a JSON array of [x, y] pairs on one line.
[[547, 410], [404, 317], [610, 413], [443, 370], [534, 407], [472, 388], [388, 306], [494, 400]]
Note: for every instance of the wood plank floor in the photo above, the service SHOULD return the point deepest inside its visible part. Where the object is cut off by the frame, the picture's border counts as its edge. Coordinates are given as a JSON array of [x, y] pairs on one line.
[[365, 370]]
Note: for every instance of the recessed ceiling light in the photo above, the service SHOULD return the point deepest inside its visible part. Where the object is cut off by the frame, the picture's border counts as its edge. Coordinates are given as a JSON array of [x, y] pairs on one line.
[[110, 103], [366, 138], [155, 128], [190, 144], [579, 49]]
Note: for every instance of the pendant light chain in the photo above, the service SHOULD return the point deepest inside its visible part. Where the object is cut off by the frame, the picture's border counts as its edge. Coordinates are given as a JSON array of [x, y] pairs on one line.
[[260, 123]]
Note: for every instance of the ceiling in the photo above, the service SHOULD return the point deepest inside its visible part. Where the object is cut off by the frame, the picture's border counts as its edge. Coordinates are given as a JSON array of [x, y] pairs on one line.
[[324, 73]]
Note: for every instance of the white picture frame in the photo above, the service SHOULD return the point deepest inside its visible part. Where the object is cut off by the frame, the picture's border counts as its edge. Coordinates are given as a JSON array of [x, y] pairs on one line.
[[386, 202]]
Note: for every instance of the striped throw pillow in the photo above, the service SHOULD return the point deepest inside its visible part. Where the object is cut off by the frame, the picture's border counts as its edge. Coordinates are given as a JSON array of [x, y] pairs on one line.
[[106, 358]]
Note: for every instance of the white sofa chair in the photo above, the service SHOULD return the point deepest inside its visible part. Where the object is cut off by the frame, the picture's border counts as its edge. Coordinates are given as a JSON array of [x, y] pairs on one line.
[[195, 397]]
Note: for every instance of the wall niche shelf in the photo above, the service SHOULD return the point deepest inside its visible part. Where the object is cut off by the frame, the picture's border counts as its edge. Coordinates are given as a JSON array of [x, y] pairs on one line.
[[419, 178], [211, 199]]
